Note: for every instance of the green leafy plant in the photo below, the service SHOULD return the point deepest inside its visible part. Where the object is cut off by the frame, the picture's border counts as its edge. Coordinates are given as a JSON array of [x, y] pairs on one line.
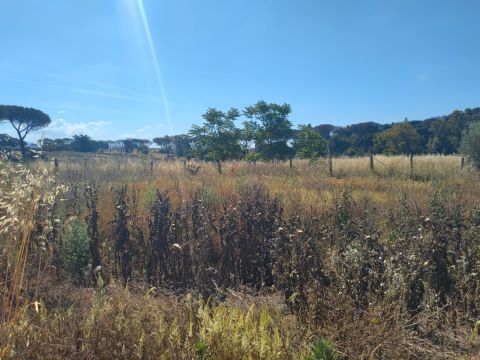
[[252, 157], [201, 349], [77, 244], [470, 145], [149, 196], [322, 349]]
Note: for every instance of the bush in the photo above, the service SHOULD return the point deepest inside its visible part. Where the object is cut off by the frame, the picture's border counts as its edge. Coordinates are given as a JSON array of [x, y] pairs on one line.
[[470, 145], [76, 249], [322, 349], [252, 157]]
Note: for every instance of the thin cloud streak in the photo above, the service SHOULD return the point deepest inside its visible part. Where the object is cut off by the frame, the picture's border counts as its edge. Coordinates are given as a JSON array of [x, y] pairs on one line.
[[121, 94], [135, 135], [101, 93]]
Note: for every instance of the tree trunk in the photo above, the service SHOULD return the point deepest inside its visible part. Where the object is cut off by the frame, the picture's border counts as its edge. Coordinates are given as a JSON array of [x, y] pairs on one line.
[[330, 164], [411, 166], [372, 168], [22, 148]]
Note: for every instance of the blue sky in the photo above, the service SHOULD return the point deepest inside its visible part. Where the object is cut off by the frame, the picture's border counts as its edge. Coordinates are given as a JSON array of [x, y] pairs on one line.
[[133, 68]]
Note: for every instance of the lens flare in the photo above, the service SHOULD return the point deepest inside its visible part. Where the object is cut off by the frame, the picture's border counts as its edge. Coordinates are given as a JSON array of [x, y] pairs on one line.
[[153, 54]]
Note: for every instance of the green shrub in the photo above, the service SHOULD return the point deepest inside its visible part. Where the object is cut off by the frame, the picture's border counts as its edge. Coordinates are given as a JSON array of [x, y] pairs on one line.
[[470, 145], [252, 157], [201, 349], [77, 244], [322, 349], [149, 196]]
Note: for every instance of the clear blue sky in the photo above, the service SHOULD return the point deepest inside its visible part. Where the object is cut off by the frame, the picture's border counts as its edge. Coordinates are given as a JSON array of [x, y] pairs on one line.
[[107, 69]]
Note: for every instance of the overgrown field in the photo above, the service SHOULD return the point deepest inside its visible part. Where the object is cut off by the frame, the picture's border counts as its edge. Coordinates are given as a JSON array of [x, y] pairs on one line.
[[121, 257]]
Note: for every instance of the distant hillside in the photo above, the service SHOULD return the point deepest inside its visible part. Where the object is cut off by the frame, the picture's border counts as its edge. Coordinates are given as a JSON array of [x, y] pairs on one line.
[[440, 134]]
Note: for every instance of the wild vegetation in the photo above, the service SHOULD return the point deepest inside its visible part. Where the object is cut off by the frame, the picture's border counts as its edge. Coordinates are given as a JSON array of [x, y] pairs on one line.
[[320, 257], [266, 134], [120, 256]]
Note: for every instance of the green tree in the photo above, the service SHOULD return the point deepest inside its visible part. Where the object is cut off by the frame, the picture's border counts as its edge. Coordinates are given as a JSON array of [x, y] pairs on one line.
[[47, 144], [23, 120], [444, 139], [309, 143], [84, 143], [326, 130], [247, 135], [182, 145], [64, 144], [470, 145], [178, 145], [165, 144], [401, 138], [141, 145], [218, 139], [355, 139], [273, 129]]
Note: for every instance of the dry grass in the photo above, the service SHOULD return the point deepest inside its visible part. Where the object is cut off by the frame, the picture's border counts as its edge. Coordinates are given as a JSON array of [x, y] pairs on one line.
[[26, 201], [141, 324], [384, 265]]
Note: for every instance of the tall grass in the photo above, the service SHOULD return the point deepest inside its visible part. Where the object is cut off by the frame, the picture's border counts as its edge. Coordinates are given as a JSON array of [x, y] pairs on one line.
[[383, 264], [119, 324], [26, 201]]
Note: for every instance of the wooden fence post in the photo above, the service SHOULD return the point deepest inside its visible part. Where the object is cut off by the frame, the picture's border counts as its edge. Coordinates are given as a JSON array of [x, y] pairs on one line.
[[462, 165], [330, 164], [291, 165], [151, 167], [372, 168], [411, 166], [55, 163]]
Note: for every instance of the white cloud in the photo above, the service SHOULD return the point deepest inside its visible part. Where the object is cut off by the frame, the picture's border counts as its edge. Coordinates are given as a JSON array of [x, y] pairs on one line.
[[101, 93], [60, 112], [137, 135], [145, 128], [126, 136], [422, 77], [62, 127]]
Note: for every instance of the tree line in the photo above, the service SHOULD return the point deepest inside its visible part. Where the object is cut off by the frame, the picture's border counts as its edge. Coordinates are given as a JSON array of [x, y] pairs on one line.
[[436, 135], [266, 133], [84, 143]]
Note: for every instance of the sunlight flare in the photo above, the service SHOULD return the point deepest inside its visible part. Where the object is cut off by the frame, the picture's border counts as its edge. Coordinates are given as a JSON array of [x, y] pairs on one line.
[[156, 66]]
